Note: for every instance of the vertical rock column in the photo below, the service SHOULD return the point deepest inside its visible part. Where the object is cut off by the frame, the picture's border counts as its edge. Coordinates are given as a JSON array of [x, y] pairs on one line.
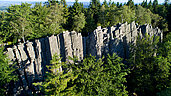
[[117, 43], [41, 57], [106, 39], [53, 42], [11, 55], [77, 45], [95, 43], [48, 55], [68, 45], [54, 48], [31, 68], [21, 67], [80, 46], [39, 54]]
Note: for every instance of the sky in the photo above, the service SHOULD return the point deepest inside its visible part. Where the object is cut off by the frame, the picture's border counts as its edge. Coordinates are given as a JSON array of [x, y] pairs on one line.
[[136, 1]]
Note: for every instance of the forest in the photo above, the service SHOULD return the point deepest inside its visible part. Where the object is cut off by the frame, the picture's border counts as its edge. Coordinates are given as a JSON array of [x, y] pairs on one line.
[[146, 72]]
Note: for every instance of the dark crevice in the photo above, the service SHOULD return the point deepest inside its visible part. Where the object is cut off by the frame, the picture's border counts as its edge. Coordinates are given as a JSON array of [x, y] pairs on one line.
[[62, 47]]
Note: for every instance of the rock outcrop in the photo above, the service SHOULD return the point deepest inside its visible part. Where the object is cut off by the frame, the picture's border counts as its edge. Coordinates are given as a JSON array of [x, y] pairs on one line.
[[32, 57]]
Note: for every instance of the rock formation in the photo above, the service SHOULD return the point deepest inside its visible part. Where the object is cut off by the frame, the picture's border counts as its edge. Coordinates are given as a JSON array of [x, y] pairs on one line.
[[32, 57]]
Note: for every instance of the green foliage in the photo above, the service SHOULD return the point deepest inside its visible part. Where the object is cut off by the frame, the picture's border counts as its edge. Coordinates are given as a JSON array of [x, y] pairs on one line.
[[55, 19], [90, 77], [26, 23], [20, 15], [150, 71], [39, 15], [127, 14], [5, 34], [149, 6], [165, 47], [161, 17], [143, 16], [165, 92], [56, 82], [78, 22], [96, 77], [76, 18], [130, 3], [6, 72], [150, 60]]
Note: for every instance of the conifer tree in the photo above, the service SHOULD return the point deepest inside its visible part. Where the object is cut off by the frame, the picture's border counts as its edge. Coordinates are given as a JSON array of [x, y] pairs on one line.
[[130, 3], [150, 71], [55, 19], [78, 22], [56, 82], [126, 14], [143, 15], [76, 12], [149, 6], [20, 20], [155, 6], [103, 16], [5, 34], [96, 77], [39, 15], [6, 72]]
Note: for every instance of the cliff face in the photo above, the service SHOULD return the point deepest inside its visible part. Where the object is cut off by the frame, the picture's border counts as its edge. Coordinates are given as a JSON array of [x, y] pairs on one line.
[[32, 57]]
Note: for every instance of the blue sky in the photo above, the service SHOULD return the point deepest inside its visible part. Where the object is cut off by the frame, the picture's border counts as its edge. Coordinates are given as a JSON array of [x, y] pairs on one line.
[[136, 1]]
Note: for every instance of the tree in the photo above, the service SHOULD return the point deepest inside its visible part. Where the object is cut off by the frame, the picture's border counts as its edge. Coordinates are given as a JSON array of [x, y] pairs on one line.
[[144, 4], [126, 14], [56, 82], [96, 77], [103, 16], [130, 3], [90, 77], [55, 18], [66, 12], [5, 34], [149, 6], [75, 12], [90, 23], [150, 71], [117, 72], [19, 15], [155, 6], [95, 7], [158, 21], [143, 15], [78, 22], [6, 72], [39, 15]]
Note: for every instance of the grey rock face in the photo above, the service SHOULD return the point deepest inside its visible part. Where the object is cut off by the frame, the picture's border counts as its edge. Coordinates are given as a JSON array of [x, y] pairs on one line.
[[32, 57], [39, 60], [30, 67], [54, 48], [22, 84], [11, 55], [77, 44], [95, 43], [68, 45]]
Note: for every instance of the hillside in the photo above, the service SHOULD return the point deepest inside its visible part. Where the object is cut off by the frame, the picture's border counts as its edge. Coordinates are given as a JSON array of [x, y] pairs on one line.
[[85, 49], [37, 54]]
